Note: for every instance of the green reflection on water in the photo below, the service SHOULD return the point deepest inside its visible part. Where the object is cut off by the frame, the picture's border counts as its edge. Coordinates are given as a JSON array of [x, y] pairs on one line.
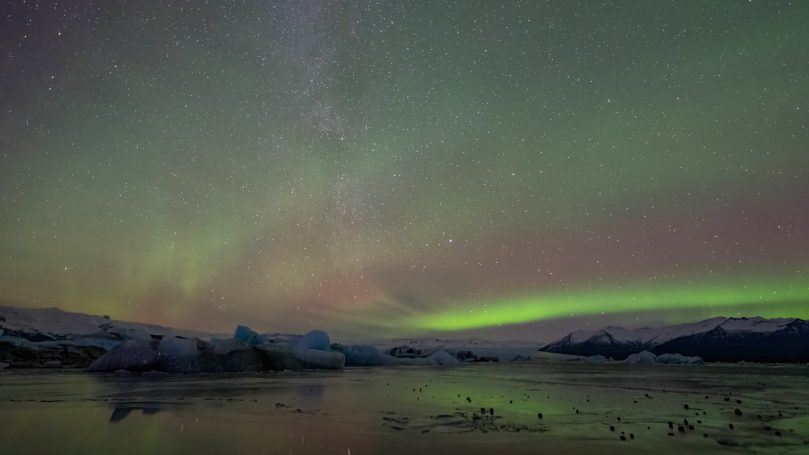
[[340, 411]]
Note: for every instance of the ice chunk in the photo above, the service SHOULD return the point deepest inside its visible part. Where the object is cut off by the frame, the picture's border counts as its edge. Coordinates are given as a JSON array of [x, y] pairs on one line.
[[186, 355], [180, 347], [132, 355], [678, 359], [646, 357], [406, 352], [246, 336], [442, 358], [643, 357], [364, 355], [469, 356], [437, 358], [278, 357], [316, 339], [242, 360], [319, 359], [466, 356], [597, 359], [222, 346], [521, 358]]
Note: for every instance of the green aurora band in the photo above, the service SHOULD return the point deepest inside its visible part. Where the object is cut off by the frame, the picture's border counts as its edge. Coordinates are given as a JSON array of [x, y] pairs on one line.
[[773, 298]]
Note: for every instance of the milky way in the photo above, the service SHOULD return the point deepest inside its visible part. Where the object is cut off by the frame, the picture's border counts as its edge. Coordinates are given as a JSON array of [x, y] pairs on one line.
[[376, 168]]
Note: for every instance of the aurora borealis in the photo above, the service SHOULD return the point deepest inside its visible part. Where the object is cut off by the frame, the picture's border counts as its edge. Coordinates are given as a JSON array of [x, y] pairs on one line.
[[383, 168]]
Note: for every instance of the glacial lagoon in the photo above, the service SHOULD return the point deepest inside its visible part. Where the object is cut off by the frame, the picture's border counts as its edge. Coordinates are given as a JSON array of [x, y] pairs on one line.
[[530, 407]]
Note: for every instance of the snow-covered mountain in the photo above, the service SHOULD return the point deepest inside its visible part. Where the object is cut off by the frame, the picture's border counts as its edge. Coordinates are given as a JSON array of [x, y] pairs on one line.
[[754, 339], [52, 337], [42, 324]]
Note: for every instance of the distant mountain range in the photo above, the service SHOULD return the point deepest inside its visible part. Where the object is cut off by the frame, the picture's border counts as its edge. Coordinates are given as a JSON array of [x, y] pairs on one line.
[[52, 337], [718, 339]]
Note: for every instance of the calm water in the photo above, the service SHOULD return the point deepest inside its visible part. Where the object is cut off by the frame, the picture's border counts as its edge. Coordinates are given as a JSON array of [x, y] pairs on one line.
[[413, 410]]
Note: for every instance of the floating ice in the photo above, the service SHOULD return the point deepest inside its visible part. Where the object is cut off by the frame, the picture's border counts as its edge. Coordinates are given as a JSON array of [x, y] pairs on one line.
[[364, 355], [317, 359], [437, 358], [678, 359], [646, 357], [643, 357], [186, 355], [247, 336], [597, 359], [132, 355], [242, 360], [316, 339]]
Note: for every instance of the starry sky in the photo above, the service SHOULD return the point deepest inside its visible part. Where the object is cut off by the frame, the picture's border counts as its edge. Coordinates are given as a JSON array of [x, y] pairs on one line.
[[376, 168]]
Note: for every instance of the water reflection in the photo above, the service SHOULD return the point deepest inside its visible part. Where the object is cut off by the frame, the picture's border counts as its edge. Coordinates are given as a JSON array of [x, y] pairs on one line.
[[476, 408]]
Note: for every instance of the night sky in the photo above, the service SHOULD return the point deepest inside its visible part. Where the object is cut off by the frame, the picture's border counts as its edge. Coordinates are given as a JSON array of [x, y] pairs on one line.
[[383, 169]]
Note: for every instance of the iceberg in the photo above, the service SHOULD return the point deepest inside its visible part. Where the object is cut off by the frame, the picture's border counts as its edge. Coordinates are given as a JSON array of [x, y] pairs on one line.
[[246, 336], [677, 359], [643, 357], [222, 346], [442, 358], [186, 355], [315, 339], [364, 355], [317, 359], [277, 357], [242, 360], [132, 355], [437, 358], [596, 359], [646, 357]]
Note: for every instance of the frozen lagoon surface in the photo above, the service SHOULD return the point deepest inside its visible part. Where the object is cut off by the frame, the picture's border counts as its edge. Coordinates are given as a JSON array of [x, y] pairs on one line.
[[413, 410]]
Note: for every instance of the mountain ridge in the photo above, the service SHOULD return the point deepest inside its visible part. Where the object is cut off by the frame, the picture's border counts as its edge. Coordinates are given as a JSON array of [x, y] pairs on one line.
[[728, 339]]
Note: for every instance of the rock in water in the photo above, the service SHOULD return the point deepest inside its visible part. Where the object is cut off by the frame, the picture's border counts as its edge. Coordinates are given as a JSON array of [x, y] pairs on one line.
[[132, 355]]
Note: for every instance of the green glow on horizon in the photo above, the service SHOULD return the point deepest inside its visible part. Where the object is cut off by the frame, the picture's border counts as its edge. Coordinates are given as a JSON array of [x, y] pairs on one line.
[[522, 309]]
